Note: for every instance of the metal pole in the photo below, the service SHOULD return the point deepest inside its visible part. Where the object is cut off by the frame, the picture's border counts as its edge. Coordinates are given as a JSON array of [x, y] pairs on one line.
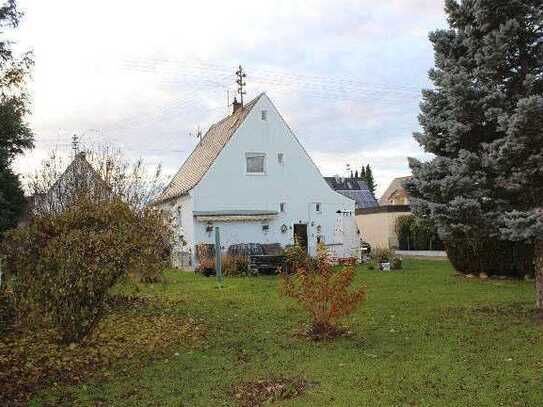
[[218, 270]]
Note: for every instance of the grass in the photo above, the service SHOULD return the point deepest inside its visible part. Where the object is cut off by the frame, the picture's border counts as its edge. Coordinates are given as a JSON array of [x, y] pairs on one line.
[[423, 337]]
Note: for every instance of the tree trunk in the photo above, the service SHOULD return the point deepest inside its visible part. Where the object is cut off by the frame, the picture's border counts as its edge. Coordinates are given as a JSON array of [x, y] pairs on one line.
[[538, 259]]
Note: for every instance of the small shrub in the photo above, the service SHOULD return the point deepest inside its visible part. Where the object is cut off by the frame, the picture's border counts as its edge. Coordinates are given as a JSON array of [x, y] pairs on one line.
[[296, 256], [231, 266], [323, 292], [205, 267], [396, 263], [234, 266], [381, 255]]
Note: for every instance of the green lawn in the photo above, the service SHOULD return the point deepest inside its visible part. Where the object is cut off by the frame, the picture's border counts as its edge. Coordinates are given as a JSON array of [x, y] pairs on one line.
[[423, 337]]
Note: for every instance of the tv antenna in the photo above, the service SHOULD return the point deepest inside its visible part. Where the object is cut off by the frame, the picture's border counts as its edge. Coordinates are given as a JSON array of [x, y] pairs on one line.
[[198, 134], [241, 83], [75, 144]]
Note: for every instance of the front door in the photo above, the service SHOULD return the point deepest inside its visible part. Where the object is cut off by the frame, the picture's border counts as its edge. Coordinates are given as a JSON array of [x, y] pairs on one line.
[[300, 235]]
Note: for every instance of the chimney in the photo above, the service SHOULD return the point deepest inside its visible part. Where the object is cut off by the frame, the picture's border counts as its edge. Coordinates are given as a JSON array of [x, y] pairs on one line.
[[236, 105]]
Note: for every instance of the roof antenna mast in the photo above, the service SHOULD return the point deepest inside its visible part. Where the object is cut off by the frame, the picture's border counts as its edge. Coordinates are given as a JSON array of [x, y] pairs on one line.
[[241, 83], [75, 144]]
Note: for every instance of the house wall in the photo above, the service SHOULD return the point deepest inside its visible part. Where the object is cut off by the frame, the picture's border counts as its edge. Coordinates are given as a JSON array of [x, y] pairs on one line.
[[180, 209], [378, 228], [297, 182]]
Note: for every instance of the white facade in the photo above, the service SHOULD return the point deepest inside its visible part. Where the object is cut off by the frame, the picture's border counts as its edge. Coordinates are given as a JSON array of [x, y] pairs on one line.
[[290, 191]]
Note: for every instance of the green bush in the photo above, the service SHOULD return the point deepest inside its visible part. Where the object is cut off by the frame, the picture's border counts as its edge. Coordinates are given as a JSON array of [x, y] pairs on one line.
[[493, 257], [415, 233], [62, 266]]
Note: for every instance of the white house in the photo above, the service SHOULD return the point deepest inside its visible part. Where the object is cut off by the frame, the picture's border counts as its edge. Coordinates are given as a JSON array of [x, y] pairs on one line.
[[250, 176]]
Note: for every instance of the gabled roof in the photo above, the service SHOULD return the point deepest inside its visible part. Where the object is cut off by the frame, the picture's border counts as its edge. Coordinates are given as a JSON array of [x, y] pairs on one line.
[[204, 154], [79, 176], [355, 189], [395, 185]]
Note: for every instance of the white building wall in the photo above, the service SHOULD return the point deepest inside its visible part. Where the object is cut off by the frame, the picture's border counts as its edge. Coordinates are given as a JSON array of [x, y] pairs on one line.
[[180, 209], [297, 182]]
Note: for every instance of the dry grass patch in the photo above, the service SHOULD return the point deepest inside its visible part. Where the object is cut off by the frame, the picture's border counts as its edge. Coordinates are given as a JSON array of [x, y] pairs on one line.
[[260, 392], [33, 359]]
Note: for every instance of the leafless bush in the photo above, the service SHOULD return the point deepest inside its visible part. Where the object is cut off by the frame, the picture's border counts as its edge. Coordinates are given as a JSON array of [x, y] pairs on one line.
[[98, 172]]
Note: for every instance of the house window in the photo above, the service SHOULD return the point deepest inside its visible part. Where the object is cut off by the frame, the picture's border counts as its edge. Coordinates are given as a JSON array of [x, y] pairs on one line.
[[264, 115], [255, 163], [320, 239], [283, 207], [280, 158], [318, 207]]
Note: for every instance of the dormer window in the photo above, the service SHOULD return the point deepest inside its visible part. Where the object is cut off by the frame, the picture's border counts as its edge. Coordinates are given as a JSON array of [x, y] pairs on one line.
[[255, 163]]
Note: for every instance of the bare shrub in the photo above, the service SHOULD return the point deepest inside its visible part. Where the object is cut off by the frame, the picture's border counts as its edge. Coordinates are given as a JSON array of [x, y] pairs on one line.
[[323, 292], [100, 172], [231, 266]]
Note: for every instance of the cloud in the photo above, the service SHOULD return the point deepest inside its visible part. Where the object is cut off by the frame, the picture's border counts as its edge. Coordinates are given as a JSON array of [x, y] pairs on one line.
[[345, 74]]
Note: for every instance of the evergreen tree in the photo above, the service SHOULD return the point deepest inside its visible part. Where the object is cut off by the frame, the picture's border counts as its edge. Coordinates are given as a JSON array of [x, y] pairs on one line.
[[356, 174], [370, 180], [477, 121], [363, 172], [15, 135]]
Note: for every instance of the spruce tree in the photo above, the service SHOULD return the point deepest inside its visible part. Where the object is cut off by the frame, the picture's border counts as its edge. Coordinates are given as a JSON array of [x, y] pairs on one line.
[[488, 78], [363, 172], [370, 180], [15, 135]]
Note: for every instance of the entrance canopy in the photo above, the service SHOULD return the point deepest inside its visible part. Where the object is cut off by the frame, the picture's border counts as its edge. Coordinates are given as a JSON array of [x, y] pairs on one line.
[[234, 216]]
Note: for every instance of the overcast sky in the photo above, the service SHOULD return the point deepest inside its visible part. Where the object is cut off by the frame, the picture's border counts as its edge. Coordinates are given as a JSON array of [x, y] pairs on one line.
[[144, 75]]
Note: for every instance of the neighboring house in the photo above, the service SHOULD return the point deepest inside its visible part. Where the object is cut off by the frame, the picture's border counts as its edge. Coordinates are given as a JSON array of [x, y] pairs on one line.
[[354, 188], [377, 225], [250, 176], [79, 176], [395, 194]]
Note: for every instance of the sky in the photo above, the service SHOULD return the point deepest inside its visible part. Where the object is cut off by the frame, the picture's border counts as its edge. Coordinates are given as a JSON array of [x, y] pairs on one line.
[[145, 76]]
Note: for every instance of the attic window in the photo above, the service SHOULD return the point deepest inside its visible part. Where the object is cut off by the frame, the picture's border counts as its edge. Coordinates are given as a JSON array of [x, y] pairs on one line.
[[283, 207], [318, 207], [255, 163], [264, 115], [281, 158]]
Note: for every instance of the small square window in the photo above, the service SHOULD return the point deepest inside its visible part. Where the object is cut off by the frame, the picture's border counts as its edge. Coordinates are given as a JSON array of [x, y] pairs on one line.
[[318, 207], [283, 207], [255, 163], [264, 115], [281, 158]]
